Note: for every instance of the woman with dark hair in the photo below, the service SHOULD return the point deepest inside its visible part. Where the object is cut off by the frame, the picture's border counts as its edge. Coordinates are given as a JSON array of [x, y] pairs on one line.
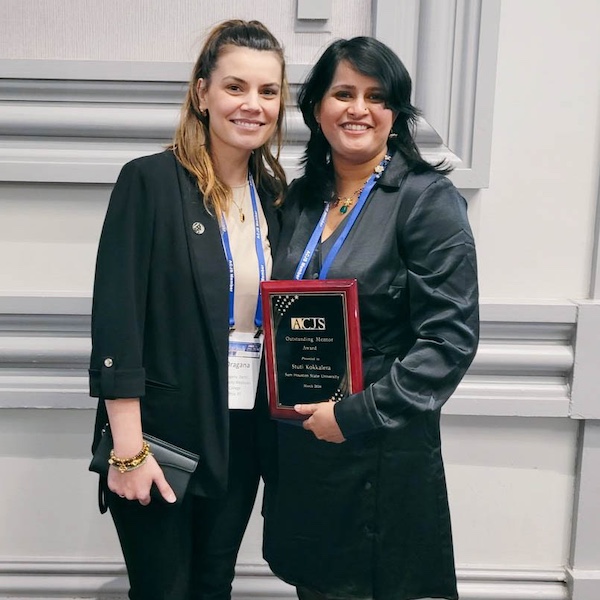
[[360, 510], [186, 240]]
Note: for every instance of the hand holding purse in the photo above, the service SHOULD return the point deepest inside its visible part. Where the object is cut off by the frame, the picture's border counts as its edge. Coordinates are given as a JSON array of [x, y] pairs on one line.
[[177, 464]]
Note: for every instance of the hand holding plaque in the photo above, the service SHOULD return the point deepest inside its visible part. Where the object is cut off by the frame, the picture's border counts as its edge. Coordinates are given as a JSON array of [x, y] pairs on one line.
[[312, 342]]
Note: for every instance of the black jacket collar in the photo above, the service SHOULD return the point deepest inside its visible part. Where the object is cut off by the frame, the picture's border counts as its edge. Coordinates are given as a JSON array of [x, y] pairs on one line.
[[395, 172]]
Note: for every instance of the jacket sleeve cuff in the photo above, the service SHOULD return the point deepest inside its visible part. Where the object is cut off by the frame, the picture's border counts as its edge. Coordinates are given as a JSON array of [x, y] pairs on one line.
[[110, 383], [356, 414]]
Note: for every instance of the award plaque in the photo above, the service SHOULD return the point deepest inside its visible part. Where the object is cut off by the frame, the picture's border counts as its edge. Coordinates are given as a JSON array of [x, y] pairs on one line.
[[312, 342]]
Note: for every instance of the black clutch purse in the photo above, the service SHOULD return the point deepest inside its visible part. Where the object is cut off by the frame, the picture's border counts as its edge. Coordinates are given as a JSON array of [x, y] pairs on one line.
[[177, 464]]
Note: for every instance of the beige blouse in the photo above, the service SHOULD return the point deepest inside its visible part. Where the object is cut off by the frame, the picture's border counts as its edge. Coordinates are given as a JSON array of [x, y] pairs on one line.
[[245, 261]]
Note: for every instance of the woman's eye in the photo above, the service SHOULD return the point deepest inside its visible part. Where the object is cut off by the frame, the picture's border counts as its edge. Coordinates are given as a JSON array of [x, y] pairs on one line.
[[343, 95], [376, 97], [233, 88], [270, 92]]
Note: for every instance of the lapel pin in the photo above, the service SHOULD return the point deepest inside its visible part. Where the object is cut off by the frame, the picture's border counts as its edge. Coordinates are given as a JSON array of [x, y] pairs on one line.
[[198, 228]]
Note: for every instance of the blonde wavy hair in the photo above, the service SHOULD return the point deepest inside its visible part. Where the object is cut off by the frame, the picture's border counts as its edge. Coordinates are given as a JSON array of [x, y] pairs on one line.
[[191, 143]]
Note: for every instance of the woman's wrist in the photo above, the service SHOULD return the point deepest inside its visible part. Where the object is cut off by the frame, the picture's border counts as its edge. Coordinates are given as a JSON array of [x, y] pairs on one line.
[[125, 420], [131, 463]]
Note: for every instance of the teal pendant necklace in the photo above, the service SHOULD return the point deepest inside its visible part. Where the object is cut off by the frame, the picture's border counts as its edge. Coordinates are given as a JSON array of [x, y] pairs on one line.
[[347, 202]]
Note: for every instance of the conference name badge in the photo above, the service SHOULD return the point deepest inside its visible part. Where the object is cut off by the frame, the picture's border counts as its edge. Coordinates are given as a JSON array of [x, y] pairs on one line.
[[245, 352]]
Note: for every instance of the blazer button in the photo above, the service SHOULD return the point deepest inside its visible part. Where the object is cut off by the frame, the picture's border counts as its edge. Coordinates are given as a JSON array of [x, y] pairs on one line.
[[108, 362], [198, 228]]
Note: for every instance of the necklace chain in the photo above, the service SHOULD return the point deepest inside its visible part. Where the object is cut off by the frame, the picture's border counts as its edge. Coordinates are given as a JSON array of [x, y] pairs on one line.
[[240, 208], [347, 201]]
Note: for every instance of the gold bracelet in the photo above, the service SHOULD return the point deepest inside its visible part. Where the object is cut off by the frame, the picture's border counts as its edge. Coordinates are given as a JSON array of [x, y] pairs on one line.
[[129, 464]]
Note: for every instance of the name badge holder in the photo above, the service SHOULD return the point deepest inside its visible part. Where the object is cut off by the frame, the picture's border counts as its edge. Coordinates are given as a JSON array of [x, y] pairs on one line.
[[245, 349]]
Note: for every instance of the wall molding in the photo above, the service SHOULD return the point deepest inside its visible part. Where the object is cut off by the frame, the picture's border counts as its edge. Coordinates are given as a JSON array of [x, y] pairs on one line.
[[80, 121], [523, 366], [583, 584], [107, 579], [585, 396], [83, 132], [450, 49]]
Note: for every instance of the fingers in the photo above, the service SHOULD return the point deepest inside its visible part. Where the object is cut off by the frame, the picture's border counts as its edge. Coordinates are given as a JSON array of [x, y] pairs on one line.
[[321, 422], [126, 491], [306, 409], [165, 489], [145, 500], [136, 484]]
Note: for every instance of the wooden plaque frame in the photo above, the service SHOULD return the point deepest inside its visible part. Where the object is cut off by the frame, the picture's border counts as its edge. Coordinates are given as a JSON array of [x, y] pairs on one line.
[[312, 342]]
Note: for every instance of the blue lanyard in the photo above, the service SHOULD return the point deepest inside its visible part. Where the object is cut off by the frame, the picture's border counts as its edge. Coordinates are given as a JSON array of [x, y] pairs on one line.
[[316, 234], [262, 265]]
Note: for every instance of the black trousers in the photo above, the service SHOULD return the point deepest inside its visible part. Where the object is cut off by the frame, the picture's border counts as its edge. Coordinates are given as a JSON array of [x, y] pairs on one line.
[[188, 551]]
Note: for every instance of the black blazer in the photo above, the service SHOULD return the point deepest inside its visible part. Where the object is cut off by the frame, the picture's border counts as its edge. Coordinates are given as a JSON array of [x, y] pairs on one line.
[[159, 315]]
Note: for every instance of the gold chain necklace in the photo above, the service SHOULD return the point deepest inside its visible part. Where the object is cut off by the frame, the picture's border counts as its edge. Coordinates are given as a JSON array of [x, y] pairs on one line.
[[348, 201], [240, 208]]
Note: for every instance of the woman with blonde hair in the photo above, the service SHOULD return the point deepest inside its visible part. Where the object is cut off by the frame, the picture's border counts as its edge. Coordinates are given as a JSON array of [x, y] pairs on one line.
[[186, 241]]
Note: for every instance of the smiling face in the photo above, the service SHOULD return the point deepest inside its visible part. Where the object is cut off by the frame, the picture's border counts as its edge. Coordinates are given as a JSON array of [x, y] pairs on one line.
[[243, 99], [353, 116]]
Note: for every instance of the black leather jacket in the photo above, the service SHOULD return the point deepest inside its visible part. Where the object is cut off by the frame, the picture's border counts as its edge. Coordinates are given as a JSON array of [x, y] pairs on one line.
[[369, 518]]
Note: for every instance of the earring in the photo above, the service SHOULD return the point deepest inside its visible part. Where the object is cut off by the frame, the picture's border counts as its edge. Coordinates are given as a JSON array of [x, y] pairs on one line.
[[204, 112], [392, 135]]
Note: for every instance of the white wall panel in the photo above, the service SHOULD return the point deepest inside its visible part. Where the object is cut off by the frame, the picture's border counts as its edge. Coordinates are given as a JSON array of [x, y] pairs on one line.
[[156, 30], [48, 504], [536, 225], [49, 237], [510, 480], [584, 564]]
